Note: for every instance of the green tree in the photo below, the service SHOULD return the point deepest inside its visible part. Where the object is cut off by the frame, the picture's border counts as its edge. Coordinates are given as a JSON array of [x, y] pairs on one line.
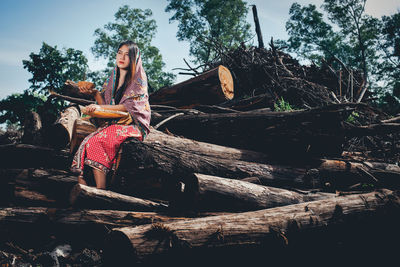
[[209, 24], [132, 24], [360, 29], [310, 36], [389, 68], [355, 42], [50, 68]]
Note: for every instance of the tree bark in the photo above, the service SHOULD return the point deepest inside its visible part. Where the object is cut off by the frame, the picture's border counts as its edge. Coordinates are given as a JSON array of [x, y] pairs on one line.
[[251, 103], [212, 87], [91, 197], [258, 228], [37, 187], [88, 217], [31, 156], [151, 168], [84, 128], [212, 193], [147, 168]]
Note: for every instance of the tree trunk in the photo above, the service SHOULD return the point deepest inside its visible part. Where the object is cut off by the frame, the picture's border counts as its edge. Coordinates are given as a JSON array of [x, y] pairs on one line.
[[86, 217], [251, 103], [37, 187], [84, 128], [256, 228], [212, 87], [30, 156], [147, 168], [91, 197], [211, 193], [302, 133], [60, 133]]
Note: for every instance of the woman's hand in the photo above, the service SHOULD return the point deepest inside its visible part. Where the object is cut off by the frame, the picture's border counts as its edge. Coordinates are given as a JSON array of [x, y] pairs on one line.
[[89, 109], [87, 88]]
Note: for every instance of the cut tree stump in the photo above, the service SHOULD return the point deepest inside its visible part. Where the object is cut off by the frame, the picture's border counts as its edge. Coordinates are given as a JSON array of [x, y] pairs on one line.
[[60, 133], [211, 193], [256, 228], [212, 87], [91, 197]]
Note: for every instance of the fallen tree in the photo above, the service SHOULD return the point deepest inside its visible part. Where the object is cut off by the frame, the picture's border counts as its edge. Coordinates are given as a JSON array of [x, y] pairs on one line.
[[212, 87], [140, 244], [312, 132], [211, 193], [154, 166], [90, 197]]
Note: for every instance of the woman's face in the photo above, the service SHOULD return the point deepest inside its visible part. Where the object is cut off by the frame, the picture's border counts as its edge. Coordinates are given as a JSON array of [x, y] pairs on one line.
[[123, 57]]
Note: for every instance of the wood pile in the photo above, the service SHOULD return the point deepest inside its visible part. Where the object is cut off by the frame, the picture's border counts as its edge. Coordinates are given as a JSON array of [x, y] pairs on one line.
[[215, 182]]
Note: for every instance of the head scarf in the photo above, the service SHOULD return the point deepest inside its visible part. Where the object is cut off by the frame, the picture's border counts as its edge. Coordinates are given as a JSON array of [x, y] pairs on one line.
[[135, 97]]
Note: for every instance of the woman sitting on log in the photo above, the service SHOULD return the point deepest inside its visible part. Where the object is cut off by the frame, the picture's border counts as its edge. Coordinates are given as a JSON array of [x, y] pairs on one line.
[[125, 92]]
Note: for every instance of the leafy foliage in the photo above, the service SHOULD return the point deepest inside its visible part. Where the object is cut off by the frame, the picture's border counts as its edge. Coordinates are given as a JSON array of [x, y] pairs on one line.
[[208, 24], [282, 105], [354, 43], [131, 24], [310, 36], [355, 38], [50, 68], [389, 68]]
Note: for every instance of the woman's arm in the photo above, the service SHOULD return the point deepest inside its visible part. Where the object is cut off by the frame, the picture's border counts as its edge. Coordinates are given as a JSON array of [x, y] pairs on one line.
[[92, 107], [114, 107]]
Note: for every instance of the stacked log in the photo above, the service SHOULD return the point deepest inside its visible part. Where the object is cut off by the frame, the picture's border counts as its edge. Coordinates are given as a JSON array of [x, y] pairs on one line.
[[215, 178], [212, 87], [249, 228]]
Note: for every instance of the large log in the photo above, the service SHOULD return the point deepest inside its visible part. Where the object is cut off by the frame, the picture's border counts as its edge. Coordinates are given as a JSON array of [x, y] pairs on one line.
[[257, 228], [60, 134], [37, 187], [83, 128], [153, 166], [148, 168], [91, 197], [31, 156], [313, 132], [212, 193], [34, 224], [250, 103], [212, 87]]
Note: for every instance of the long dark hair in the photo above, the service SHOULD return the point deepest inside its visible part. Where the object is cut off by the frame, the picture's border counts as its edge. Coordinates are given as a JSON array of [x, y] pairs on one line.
[[133, 48]]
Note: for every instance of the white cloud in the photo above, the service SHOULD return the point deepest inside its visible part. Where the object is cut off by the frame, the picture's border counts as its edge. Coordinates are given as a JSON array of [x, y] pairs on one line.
[[378, 8]]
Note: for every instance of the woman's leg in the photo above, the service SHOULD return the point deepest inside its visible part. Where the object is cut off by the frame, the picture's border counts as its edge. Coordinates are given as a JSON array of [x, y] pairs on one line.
[[100, 178], [81, 180]]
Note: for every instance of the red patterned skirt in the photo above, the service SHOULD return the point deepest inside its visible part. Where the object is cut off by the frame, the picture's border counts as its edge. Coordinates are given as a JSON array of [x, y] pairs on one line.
[[100, 149]]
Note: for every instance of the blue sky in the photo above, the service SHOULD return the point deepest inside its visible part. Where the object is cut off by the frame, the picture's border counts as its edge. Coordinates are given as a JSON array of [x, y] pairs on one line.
[[25, 24]]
